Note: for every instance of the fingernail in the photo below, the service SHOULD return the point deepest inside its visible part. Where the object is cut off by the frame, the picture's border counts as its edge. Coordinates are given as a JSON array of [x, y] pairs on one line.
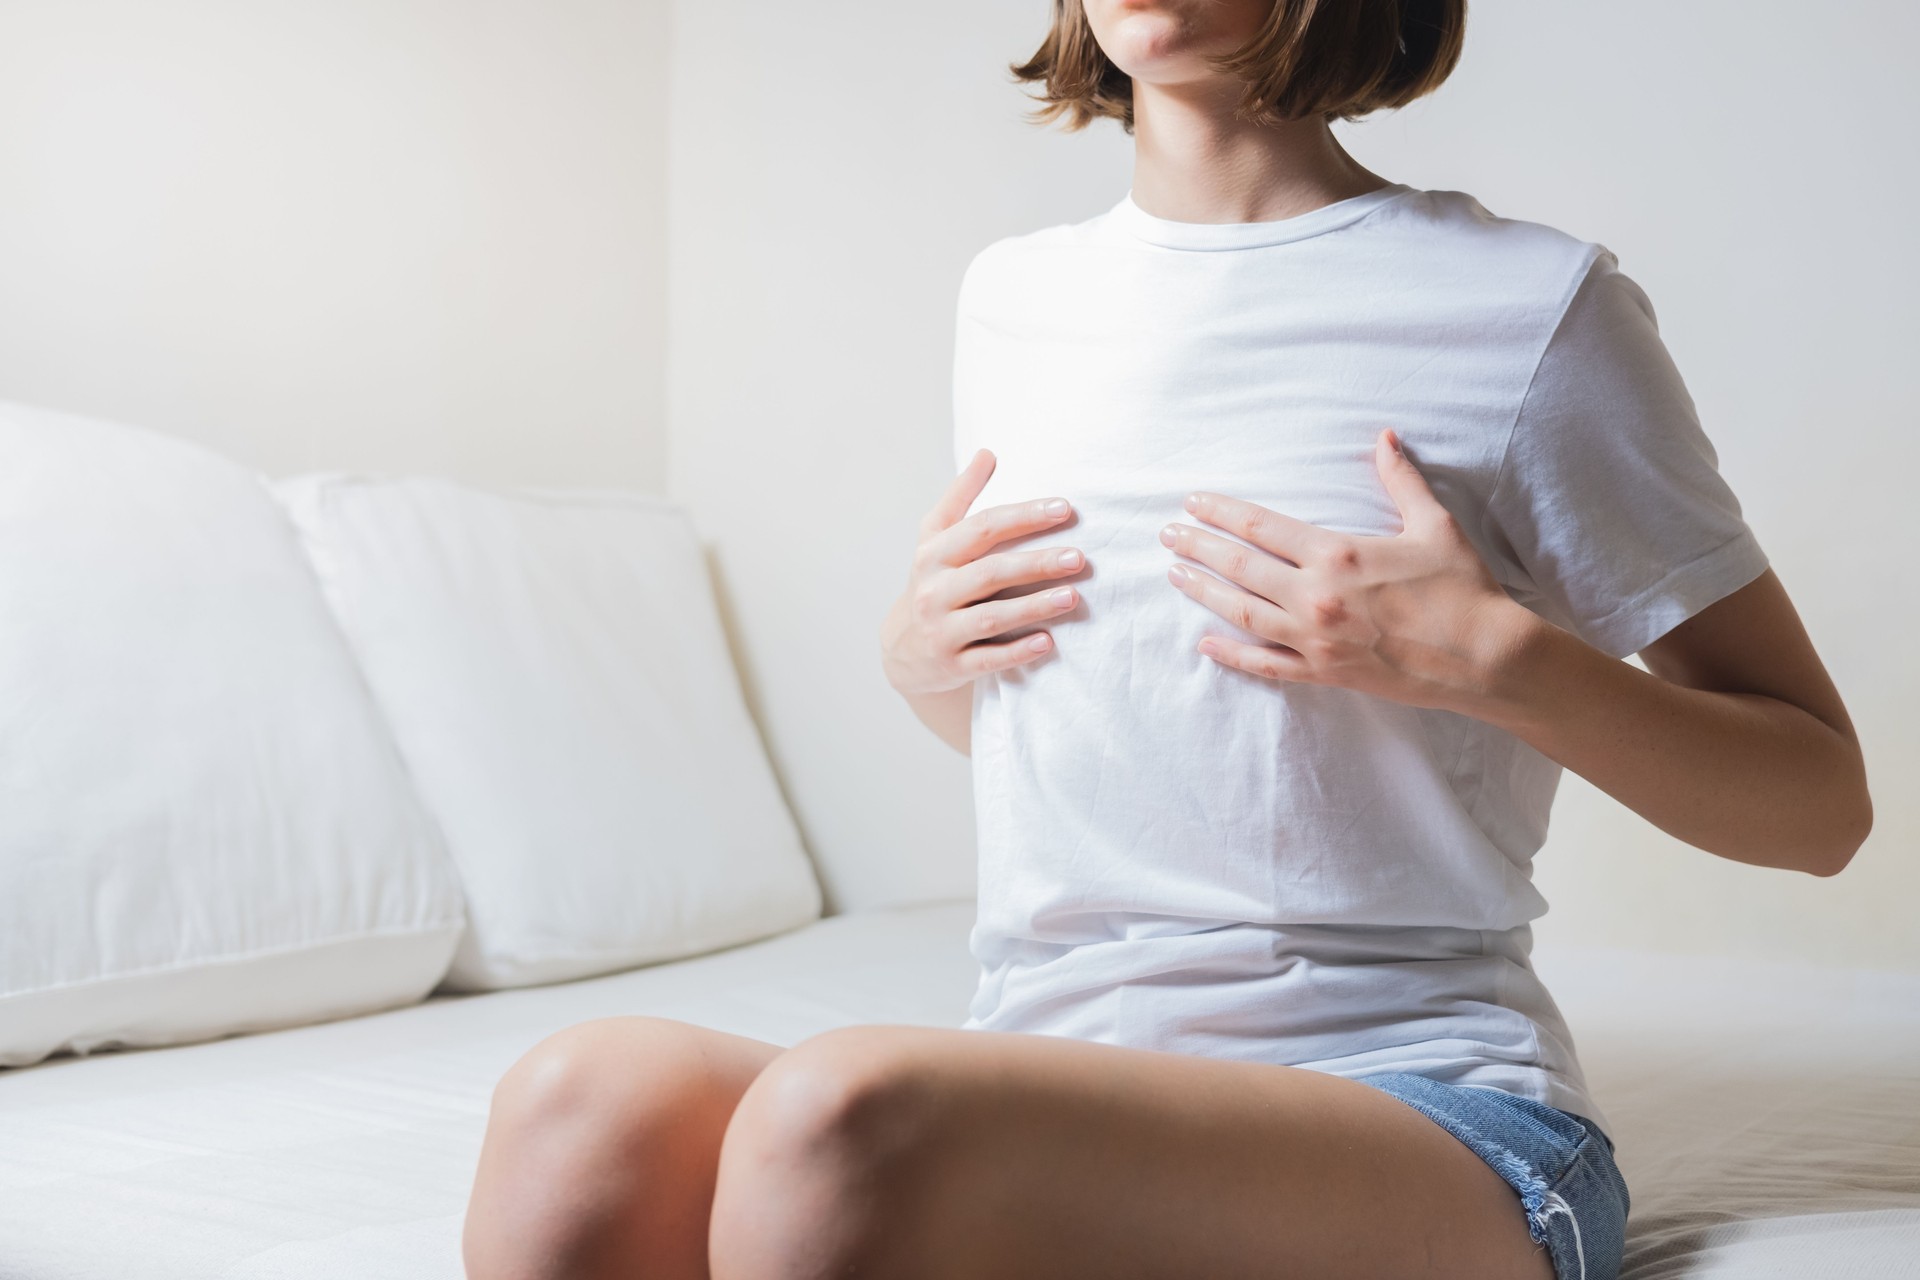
[[1069, 560], [1056, 508], [1393, 443], [1061, 597], [1208, 647], [1193, 502], [1039, 643], [1179, 575], [1170, 535]]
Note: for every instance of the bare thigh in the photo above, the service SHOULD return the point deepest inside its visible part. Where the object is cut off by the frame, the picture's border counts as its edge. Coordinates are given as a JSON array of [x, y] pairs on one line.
[[903, 1152]]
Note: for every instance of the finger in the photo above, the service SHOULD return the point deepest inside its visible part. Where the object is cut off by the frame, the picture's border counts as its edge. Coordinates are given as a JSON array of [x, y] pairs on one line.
[[995, 573], [1263, 574], [1405, 485], [960, 493], [980, 659], [1242, 608], [983, 530], [1256, 659], [1282, 535], [997, 617]]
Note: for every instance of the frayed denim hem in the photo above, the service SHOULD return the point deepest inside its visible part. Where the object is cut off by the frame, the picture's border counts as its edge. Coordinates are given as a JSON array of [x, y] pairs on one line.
[[1519, 1175]]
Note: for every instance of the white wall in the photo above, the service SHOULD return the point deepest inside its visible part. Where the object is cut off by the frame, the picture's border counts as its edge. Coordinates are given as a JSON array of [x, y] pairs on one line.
[[389, 234], [835, 165]]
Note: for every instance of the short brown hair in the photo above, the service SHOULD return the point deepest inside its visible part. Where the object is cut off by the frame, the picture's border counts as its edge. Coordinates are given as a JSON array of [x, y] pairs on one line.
[[1336, 59]]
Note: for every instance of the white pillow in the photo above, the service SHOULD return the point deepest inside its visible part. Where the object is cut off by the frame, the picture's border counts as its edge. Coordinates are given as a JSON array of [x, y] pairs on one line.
[[204, 828], [555, 673]]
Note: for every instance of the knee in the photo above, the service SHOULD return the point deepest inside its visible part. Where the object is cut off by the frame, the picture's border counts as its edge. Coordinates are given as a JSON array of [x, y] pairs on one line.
[[608, 1081], [821, 1157], [854, 1095], [585, 1118]]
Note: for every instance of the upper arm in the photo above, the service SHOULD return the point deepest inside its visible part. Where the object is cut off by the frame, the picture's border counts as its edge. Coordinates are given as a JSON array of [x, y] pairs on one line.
[[1751, 641]]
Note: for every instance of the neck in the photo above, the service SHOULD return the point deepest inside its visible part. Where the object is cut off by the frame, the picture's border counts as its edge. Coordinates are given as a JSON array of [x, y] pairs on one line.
[[1195, 161]]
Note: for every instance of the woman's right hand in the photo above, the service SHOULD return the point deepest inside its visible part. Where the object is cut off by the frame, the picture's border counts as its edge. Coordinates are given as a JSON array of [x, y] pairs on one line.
[[940, 633]]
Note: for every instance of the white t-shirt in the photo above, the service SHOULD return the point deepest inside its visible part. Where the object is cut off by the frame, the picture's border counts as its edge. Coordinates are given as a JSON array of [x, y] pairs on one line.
[[1176, 855]]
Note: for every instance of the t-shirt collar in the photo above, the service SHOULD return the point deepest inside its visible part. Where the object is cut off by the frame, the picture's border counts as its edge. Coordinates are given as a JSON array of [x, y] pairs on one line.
[[1137, 222]]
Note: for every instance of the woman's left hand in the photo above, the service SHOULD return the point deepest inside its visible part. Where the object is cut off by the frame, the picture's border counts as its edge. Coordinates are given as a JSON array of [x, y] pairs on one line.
[[1414, 617]]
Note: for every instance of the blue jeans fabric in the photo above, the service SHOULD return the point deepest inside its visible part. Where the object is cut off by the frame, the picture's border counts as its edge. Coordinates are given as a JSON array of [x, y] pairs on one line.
[[1561, 1166]]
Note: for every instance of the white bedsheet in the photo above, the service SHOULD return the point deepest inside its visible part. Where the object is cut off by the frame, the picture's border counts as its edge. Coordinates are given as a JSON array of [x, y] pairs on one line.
[[1768, 1115], [1769, 1118]]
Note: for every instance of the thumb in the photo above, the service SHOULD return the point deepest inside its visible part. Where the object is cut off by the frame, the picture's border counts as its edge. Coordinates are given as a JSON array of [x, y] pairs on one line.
[[1405, 485]]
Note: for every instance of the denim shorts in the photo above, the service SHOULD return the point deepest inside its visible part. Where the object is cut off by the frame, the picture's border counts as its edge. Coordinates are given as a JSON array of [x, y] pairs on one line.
[[1560, 1164]]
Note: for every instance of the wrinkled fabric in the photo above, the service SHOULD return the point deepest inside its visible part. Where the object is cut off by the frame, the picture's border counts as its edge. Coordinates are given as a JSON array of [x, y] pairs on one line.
[[1178, 855]]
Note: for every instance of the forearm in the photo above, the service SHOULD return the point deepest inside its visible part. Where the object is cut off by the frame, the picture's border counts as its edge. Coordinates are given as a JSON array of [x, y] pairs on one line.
[[949, 714], [1741, 775]]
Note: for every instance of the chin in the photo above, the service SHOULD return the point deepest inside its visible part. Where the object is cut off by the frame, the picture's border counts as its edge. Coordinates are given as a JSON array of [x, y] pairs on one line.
[[1162, 41], [1152, 44]]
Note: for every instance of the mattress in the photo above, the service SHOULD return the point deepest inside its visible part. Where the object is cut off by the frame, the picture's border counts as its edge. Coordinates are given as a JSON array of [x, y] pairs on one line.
[[1768, 1116]]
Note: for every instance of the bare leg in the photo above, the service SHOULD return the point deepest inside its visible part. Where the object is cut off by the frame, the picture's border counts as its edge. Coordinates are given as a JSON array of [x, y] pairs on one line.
[[896, 1152], [601, 1149]]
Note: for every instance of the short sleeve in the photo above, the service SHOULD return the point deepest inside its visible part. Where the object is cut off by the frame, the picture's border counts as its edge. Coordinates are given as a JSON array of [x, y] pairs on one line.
[[1609, 511]]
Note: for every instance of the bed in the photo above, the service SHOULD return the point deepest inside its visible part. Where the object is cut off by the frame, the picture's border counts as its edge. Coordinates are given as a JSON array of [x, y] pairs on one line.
[[1768, 1115]]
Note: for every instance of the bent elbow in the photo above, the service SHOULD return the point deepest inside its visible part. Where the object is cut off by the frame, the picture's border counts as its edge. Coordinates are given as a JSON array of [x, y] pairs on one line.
[[1828, 867], [1849, 834]]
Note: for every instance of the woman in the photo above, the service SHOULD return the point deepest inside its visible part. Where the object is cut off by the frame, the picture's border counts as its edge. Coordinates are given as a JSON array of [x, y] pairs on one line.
[[1318, 515]]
